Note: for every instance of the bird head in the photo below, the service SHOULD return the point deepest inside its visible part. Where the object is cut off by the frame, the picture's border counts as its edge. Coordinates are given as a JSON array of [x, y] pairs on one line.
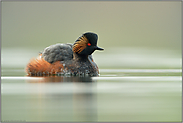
[[86, 44]]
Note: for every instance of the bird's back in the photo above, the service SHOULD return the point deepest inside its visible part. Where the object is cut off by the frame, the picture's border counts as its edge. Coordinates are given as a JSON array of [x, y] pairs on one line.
[[58, 52]]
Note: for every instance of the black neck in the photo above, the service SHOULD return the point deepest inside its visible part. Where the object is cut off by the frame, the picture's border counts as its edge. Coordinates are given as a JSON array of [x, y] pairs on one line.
[[78, 57]]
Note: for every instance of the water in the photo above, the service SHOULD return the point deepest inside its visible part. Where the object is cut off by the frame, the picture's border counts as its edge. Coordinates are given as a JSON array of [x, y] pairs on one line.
[[134, 85], [116, 95]]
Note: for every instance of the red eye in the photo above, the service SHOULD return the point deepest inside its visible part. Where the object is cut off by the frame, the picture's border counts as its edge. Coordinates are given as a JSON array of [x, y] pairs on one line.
[[89, 44]]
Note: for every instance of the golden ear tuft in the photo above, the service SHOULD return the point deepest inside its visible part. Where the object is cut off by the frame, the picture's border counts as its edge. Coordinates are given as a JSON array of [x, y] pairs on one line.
[[80, 44]]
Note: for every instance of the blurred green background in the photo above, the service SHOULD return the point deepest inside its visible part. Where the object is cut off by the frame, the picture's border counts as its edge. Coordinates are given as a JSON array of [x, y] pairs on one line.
[[138, 32]]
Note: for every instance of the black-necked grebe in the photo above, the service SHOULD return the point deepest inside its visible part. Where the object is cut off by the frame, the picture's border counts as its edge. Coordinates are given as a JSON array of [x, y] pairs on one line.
[[67, 59]]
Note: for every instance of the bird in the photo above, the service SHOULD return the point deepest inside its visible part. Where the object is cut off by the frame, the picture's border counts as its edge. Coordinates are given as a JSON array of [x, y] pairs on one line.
[[67, 59]]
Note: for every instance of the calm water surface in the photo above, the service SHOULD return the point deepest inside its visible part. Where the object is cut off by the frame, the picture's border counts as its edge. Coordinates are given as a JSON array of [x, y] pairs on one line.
[[116, 95]]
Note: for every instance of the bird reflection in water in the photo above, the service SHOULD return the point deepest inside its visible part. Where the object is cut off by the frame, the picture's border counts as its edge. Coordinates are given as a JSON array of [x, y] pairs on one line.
[[74, 97]]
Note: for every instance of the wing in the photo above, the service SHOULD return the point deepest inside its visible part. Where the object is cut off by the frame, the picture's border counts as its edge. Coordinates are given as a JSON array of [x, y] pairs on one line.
[[58, 52]]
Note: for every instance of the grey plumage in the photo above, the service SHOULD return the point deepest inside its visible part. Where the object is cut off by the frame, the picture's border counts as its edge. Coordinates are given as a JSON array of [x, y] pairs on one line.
[[58, 52]]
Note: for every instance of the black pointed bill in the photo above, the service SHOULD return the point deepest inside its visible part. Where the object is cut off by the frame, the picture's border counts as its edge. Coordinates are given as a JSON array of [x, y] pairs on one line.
[[98, 48]]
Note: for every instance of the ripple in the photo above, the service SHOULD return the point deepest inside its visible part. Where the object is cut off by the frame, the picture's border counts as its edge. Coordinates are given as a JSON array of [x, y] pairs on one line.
[[142, 70], [21, 78], [142, 78]]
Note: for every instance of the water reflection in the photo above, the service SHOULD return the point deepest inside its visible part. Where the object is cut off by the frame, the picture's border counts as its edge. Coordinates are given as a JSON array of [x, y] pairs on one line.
[[98, 99], [67, 98], [52, 79]]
